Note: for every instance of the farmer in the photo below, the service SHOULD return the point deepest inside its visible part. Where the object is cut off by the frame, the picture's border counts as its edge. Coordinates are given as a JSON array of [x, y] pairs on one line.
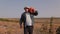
[[27, 18], [58, 30]]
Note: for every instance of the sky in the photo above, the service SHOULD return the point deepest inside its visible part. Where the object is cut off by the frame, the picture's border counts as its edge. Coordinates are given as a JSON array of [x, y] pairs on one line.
[[14, 8]]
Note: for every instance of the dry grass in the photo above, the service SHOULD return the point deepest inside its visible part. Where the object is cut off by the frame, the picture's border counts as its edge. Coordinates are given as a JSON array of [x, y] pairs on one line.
[[14, 27]]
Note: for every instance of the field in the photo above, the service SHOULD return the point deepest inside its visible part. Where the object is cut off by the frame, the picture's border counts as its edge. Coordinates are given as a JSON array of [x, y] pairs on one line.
[[41, 26]]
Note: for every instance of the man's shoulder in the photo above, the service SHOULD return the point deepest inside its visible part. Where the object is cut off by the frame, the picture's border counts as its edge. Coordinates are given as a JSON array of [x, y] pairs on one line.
[[23, 13]]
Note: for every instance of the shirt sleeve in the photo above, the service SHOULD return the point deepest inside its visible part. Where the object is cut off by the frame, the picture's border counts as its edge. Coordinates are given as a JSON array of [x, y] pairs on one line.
[[35, 13], [22, 19]]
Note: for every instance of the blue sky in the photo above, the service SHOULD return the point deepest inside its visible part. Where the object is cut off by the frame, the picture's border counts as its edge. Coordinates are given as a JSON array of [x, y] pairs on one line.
[[14, 8]]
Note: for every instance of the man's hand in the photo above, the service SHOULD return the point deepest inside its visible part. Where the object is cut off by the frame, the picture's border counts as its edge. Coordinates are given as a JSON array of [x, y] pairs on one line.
[[20, 26]]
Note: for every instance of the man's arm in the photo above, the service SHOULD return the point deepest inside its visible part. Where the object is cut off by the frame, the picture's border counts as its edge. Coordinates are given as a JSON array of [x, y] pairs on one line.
[[21, 20], [35, 13]]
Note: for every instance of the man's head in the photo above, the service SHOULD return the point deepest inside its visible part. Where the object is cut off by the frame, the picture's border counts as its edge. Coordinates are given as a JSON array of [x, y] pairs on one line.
[[26, 9]]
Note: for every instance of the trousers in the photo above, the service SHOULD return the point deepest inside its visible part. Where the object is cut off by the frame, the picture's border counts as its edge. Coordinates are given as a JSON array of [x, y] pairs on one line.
[[28, 30]]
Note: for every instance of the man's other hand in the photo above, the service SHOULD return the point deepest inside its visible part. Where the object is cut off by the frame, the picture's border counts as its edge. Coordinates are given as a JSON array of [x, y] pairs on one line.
[[20, 26]]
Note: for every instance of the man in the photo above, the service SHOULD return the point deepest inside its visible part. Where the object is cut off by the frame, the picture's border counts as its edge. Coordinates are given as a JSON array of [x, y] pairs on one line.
[[58, 30], [27, 18]]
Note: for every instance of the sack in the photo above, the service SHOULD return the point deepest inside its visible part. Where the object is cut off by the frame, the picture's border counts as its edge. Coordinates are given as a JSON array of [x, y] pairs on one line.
[[31, 10]]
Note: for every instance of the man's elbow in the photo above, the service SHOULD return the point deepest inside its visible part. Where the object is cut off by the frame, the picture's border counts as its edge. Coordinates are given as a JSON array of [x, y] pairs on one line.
[[36, 13]]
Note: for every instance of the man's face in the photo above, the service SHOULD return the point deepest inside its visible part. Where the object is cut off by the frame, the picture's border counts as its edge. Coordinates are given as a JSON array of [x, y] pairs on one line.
[[26, 10]]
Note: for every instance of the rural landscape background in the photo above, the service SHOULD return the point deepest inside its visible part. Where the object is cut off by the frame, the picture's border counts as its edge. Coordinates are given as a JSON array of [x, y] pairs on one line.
[[41, 26], [11, 10]]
